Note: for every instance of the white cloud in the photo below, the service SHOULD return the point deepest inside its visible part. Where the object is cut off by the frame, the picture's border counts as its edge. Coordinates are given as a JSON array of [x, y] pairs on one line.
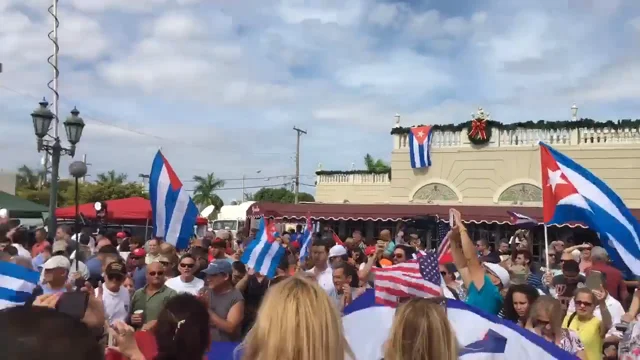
[[220, 84]]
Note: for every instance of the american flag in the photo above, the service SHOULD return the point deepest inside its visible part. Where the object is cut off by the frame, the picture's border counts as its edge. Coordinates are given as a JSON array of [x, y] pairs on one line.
[[414, 278], [444, 249]]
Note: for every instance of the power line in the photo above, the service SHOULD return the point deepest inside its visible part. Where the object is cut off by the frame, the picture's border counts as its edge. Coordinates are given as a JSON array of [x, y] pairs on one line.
[[258, 178], [127, 129], [250, 187]]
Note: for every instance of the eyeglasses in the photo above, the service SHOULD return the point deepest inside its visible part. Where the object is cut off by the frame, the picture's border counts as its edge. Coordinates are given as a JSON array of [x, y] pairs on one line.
[[164, 263], [583, 303], [154, 273], [184, 265], [113, 277], [398, 256]]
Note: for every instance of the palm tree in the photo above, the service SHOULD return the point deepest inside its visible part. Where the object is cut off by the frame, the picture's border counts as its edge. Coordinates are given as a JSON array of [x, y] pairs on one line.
[[204, 192], [375, 165], [111, 178], [28, 178]]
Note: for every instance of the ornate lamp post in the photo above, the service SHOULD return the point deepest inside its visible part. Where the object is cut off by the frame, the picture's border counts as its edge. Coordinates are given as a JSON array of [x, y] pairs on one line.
[[42, 118], [77, 169]]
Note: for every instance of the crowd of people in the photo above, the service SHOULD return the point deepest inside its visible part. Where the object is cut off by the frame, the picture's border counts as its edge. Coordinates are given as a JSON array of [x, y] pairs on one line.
[[148, 300]]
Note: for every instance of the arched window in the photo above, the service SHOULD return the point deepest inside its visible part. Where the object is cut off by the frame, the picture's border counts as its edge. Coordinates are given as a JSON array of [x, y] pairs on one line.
[[435, 192], [521, 193]]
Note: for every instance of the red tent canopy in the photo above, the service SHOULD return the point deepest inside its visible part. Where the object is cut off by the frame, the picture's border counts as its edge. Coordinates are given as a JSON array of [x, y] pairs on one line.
[[134, 210]]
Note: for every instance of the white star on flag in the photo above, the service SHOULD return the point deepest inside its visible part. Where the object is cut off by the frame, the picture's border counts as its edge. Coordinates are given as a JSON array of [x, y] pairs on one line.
[[555, 178], [420, 134]]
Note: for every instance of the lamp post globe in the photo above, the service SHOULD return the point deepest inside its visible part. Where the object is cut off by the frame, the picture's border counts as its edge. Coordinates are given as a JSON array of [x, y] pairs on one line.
[[78, 169], [574, 111], [42, 118], [74, 126]]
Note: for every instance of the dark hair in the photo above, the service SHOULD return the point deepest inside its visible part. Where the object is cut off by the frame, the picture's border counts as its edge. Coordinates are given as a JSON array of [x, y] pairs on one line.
[[529, 291], [349, 270], [524, 252], [35, 333], [84, 239], [361, 256], [323, 242], [124, 245], [66, 229], [187, 256], [108, 249], [451, 269], [42, 230], [182, 330], [20, 236], [483, 242], [284, 263], [11, 250], [571, 266], [136, 240], [408, 251], [239, 267]]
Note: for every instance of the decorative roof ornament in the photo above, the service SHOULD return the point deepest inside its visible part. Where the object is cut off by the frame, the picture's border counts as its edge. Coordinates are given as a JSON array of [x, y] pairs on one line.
[[480, 130], [319, 168], [397, 117]]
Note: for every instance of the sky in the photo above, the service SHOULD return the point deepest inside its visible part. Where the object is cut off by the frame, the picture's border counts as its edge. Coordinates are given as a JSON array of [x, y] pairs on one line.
[[219, 85]]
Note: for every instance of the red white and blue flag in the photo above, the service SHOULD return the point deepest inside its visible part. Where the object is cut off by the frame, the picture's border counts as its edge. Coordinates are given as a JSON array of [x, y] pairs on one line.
[[307, 238], [264, 254], [419, 146], [174, 213], [571, 193], [522, 220]]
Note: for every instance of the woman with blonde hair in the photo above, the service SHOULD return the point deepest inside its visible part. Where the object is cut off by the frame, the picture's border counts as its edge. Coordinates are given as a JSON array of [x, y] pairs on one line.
[[545, 319], [421, 331], [296, 321]]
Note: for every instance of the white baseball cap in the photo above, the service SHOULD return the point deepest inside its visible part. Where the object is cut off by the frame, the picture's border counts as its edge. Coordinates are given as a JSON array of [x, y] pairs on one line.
[[498, 271], [337, 250], [57, 261]]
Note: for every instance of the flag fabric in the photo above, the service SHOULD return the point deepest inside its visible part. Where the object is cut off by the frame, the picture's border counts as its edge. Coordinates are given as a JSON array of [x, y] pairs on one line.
[[522, 220], [481, 336], [420, 277], [263, 254], [420, 146], [336, 238], [16, 284], [174, 213], [444, 249], [307, 238], [571, 193]]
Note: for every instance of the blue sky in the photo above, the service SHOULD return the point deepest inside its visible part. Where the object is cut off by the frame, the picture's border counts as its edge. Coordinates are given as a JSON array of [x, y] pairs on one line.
[[220, 84]]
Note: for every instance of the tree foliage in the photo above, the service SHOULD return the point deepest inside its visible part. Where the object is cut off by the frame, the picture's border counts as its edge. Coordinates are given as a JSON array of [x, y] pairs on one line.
[[109, 186], [281, 195], [204, 192], [375, 165]]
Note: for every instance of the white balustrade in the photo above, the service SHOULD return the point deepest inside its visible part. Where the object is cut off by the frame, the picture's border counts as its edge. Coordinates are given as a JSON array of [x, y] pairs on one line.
[[522, 137], [348, 179]]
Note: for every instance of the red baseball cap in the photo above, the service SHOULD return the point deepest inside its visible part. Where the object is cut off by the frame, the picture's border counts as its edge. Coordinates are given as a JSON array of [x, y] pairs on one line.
[[139, 252], [121, 235]]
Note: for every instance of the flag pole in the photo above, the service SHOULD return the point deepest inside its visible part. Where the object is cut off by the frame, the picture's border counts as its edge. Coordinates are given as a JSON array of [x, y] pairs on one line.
[[546, 246]]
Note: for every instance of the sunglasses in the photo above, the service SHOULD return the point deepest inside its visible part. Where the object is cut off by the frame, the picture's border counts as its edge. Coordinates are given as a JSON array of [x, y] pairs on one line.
[[158, 273], [583, 303], [443, 273], [540, 323], [115, 277], [164, 263], [398, 256], [184, 265]]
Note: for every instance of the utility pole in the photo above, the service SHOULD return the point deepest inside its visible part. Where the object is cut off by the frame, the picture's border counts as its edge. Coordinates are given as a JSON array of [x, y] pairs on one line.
[[84, 160], [297, 189]]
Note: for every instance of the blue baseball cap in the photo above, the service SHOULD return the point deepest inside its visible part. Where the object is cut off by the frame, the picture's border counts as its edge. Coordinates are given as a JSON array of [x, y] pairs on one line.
[[219, 266]]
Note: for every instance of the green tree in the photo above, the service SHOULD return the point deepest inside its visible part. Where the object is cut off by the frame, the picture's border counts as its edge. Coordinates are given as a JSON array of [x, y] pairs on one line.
[[248, 196], [281, 195], [111, 178], [375, 165], [204, 192], [28, 178]]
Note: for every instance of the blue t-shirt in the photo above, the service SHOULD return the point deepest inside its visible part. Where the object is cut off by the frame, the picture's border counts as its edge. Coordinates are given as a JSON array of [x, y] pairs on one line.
[[487, 299], [139, 277], [95, 267]]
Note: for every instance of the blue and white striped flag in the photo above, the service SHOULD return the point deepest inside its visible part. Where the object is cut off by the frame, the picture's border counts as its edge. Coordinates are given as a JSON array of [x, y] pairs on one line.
[[16, 284], [263, 254], [307, 238], [174, 213]]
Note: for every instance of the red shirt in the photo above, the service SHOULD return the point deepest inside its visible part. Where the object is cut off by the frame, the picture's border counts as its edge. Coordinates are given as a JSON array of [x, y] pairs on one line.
[[37, 248], [615, 281]]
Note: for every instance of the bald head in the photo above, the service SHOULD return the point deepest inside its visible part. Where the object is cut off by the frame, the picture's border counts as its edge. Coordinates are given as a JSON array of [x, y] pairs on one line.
[[155, 267], [102, 242]]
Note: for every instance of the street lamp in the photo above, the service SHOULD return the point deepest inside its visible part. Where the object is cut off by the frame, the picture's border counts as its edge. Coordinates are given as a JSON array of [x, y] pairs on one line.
[[42, 118], [574, 112], [77, 169]]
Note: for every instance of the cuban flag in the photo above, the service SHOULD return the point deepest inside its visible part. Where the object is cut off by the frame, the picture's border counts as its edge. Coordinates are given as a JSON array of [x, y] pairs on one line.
[[174, 213], [16, 284], [571, 193], [263, 254], [307, 238], [419, 146], [522, 220]]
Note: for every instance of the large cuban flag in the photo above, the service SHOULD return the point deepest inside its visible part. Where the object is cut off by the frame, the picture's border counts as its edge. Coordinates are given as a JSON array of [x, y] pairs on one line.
[[264, 254], [481, 336], [572, 193], [420, 146], [174, 213]]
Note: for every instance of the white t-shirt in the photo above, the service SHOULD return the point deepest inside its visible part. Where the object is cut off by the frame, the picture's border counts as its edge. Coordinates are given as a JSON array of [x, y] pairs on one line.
[[325, 279], [116, 305], [22, 251], [180, 286]]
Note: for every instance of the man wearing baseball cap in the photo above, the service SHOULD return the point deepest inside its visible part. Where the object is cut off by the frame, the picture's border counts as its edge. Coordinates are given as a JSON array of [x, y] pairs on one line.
[[55, 273], [483, 280], [114, 296], [225, 302]]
